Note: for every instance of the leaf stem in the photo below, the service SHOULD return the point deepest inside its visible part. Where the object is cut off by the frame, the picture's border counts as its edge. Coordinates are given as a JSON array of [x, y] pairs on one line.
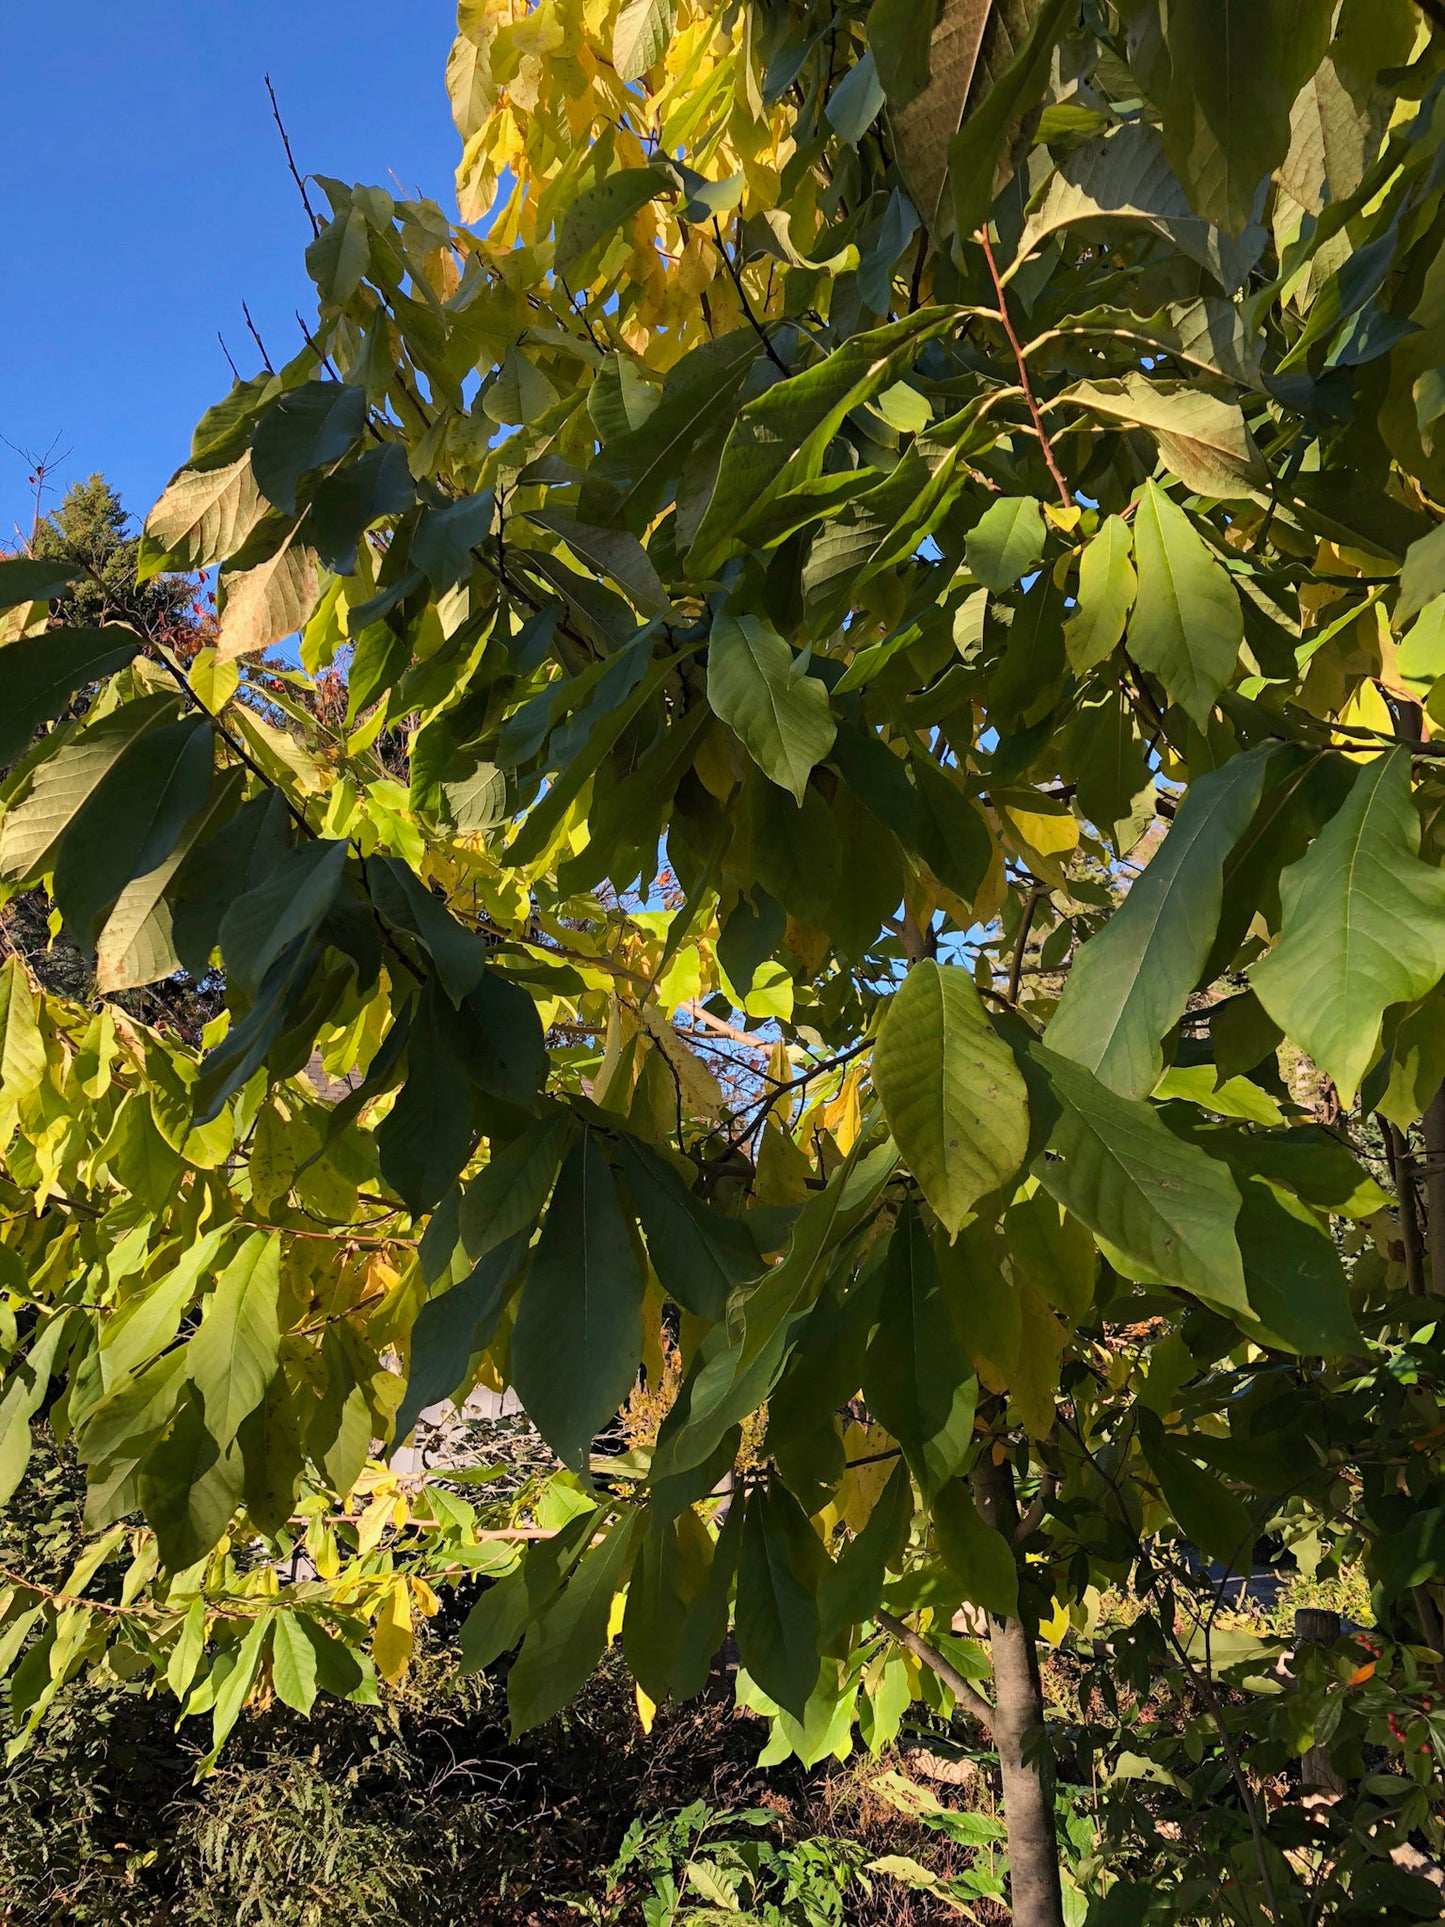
[[1013, 341]]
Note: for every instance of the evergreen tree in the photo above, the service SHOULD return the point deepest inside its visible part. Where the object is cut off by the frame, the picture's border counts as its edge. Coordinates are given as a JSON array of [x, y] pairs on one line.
[[90, 526]]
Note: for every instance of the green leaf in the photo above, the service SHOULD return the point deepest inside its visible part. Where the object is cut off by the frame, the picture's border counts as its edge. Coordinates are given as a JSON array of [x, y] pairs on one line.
[[1202, 438], [1105, 596], [137, 945], [31, 829], [578, 1335], [233, 1356], [780, 438], [313, 426], [1165, 1209], [954, 1099], [948, 831], [643, 464], [1186, 627], [1417, 1061], [738, 1366], [132, 821], [460, 954], [1129, 985], [27, 1380], [293, 1663], [699, 1256], [22, 1046], [1006, 542], [783, 718], [431, 1129], [1292, 1271], [353, 498], [1423, 576], [615, 553], [39, 675], [600, 210], [640, 36], [1125, 180], [508, 1193], [917, 1376], [853, 1586], [781, 1566], [562, 1649], [1363, 927], [453, 1327], [444, 538], [976, 151], [1206, 1511], [26, 578], [975, 1552], [898, 34], [855, 103], [288, 904], [1235, 72]]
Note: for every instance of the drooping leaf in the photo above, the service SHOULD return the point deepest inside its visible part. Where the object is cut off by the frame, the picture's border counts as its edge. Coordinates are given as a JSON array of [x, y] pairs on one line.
[[39, 675], [455, 1325], [132, 821], [975, 1551], [955, 1102], [782, 717], [1006, 542], [699, 1256], [1208, 1513], [1186, 626], [780, 1566], [1106, 593], [1128, 985], [1234, 75], [578, 1334], [779, 440], [562, 1648], [1363, 926], [1164, 1209], [977, 150], [917, 1377]]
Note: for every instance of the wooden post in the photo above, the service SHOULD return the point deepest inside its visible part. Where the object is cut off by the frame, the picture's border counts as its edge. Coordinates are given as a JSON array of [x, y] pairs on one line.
[[1314, 1626]]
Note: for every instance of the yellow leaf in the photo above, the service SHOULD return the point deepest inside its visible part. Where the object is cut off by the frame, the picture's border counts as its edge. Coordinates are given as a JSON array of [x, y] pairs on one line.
[[391, 1636], [646, 1709], [373, 1522]]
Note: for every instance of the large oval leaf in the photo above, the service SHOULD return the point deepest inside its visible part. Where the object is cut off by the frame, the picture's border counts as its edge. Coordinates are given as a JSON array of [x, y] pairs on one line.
[[955, 1102]]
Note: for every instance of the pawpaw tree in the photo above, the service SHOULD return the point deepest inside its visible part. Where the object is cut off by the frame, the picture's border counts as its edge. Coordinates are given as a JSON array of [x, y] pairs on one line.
[[889, 583]]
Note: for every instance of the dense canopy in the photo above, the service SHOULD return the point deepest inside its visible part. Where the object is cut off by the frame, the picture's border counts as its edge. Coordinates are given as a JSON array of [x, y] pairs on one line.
[[880, 866]]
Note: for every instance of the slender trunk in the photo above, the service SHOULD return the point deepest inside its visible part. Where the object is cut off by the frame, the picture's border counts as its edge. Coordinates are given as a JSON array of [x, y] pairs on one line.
[[1025, 1762], [1434, 1126]]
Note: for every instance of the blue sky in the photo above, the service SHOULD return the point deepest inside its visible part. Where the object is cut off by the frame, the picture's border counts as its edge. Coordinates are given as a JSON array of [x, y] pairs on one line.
[[147, 198]]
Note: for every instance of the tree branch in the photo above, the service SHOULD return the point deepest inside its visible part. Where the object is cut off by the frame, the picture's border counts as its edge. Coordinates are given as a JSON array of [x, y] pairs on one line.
[[1013, 341], [962, 1690]]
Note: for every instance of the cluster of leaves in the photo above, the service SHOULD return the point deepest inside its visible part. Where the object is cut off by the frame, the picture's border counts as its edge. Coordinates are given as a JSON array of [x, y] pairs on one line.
[[877, 464]]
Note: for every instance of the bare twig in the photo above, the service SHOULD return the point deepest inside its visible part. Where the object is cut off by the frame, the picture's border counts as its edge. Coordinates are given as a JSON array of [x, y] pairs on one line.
[[256, 337], [291, 159], [736, 275]]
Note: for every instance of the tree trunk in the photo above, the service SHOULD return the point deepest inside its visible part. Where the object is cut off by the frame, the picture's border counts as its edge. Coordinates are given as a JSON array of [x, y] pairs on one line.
[[1036, 1896], [1434, 1123]]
